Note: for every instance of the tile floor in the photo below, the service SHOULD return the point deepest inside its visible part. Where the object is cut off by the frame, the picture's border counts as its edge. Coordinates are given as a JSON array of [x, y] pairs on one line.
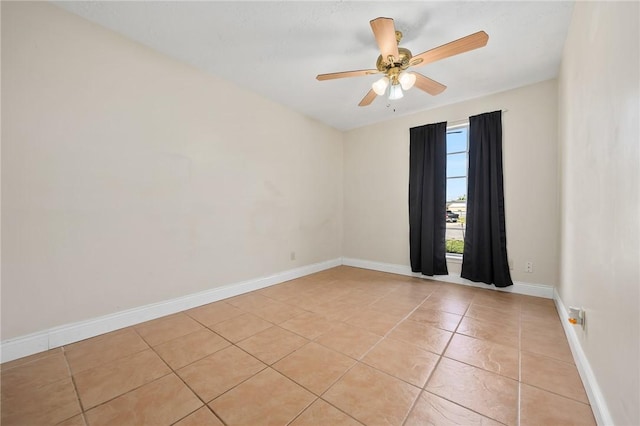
[[344, 346]]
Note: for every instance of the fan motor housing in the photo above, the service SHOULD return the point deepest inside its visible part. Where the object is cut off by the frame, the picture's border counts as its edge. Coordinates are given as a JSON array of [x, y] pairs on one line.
[[402, 62]]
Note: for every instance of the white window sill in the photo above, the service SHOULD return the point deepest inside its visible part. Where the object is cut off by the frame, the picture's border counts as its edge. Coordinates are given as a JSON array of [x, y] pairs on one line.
[[454, 258]]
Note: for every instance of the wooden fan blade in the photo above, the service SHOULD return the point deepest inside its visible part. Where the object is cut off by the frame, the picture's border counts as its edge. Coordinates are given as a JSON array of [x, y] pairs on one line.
[[345, 74], [385, 33], [432, 87], [464, 44], [368, 98]]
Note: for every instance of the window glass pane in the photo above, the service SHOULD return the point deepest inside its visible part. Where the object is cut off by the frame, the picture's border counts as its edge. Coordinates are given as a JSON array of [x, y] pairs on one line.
[[456, 189], [457, 164], [457, 139]]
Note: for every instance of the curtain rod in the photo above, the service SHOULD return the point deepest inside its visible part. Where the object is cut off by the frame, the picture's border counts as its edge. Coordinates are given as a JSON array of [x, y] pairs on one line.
[[464, 120]]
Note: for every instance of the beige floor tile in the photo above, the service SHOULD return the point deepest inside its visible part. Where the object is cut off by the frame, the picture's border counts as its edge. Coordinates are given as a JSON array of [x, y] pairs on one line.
[[249, 301], [48, 403], [500, 359], [322, 414], [446, 304], [307, 301], [492, 314], [161, 402], [544, 310], [372, 397], [548, 327], [455, 292], [167, 328], [493, 331], [539, 407], [395, 306], [548, 343], [426, 337], [219, 372], [241, 327], [100, 350], [553, 375], [349, 340], [534, 300], [430, 409], [337, 311], [418, 289], [314, 366], [39, 372], [309, 325], [439, 319], [281, 292], [498, 300], [107, 381], [192, 347], [202, 417], [376, 322], [276, 400], [73, 421], [272, 344], [402, 360], [277, 312], [363, 297], [214, 313], [542, 321], [487, 393]]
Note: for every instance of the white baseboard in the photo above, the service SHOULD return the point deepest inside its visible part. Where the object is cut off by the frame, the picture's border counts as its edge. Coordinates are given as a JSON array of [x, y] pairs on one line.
[[69, 333], [529, 289], [596, 398], [63, 335]]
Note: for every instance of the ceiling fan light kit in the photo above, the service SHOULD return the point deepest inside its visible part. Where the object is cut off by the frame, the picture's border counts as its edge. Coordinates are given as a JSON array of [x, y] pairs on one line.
[[380, 86], [393, 62], [407, 80], [395, 92]]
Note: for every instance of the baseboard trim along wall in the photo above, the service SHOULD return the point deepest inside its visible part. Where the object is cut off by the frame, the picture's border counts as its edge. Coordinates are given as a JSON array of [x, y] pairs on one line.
[[69, 333], [529, 289], [594, 393], [66, 334]]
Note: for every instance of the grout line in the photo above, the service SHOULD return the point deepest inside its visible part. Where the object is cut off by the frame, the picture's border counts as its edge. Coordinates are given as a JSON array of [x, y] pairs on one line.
[[519, 402], [303, 409], [75, 387], [339, 409], [127, 392], [198, 409]]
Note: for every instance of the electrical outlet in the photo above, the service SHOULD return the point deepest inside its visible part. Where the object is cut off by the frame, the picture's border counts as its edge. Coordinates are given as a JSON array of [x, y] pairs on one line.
[[510, 262], [293, 255], [577, 316], [528, 267]]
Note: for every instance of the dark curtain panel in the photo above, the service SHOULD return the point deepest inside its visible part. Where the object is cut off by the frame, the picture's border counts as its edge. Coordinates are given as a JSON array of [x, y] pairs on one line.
[[427, 198], [485, 244]]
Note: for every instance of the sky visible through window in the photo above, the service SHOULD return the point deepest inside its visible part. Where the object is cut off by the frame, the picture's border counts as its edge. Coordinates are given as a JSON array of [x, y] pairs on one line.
[[457, 163]]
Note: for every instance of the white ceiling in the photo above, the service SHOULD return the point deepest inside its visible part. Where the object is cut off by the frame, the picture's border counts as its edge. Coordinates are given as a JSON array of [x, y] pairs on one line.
[[276, 48]]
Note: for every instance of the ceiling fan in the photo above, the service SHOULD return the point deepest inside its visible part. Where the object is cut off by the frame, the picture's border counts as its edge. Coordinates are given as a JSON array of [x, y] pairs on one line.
[[394, 61]]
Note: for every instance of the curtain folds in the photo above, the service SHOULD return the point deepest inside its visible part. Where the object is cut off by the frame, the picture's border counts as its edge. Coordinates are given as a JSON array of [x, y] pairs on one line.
[[485, 244], [427, 198]]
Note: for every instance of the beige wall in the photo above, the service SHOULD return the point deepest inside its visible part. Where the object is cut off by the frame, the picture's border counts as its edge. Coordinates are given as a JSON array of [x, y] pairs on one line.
[[376, 176], [129, 178], [598, 116]]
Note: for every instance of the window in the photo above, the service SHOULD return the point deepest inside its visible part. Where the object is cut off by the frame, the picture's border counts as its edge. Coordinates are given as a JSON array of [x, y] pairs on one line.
[[457, 167]]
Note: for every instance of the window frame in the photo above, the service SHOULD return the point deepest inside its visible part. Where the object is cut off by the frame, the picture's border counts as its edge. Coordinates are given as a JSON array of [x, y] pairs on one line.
[[457, 257]]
